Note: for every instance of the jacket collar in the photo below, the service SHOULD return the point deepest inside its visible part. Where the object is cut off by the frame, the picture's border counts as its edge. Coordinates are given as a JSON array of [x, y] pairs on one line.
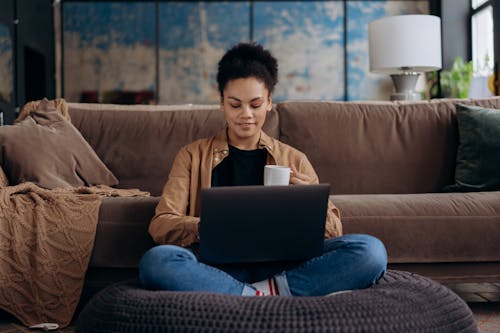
[[221, 143]]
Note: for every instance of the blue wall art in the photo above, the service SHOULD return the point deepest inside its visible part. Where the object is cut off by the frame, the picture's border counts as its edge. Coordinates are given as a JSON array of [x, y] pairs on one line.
[[6, 66], [168, 51]]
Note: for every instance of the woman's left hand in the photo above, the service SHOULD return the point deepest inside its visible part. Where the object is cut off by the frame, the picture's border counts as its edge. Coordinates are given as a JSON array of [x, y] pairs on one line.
[[297, 178]]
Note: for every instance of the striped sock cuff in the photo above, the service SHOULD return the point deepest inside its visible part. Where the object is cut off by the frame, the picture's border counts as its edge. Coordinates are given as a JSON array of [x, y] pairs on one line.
[[267, 287], [282, 284], [248, 291]]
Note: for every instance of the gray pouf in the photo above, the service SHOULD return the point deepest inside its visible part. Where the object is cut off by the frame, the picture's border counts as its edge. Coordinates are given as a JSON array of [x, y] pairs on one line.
[[400, 302]]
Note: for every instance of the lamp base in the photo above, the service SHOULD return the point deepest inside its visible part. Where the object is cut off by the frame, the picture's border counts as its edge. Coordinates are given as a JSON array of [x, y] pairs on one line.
[[405, 85], [406, 96]]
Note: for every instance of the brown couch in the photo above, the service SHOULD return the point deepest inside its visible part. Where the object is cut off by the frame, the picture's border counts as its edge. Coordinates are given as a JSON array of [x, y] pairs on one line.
[[387, 163]]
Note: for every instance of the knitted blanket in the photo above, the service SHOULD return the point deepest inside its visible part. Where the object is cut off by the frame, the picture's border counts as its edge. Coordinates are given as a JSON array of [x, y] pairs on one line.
[[46, 239]]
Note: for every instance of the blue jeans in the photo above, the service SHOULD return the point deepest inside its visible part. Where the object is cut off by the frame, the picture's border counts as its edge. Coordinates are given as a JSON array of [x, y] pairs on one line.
[[351, 261]]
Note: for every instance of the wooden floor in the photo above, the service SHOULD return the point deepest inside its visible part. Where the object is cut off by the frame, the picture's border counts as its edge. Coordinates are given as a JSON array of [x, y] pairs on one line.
[[477, 292], [484, 301]]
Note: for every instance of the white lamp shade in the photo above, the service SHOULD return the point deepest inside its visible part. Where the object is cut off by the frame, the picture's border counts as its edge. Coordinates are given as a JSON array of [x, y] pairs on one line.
[[405, 43]]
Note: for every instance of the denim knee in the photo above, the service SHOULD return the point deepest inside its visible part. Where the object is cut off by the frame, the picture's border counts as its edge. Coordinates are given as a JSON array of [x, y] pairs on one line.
[[157, 258], [376, 255]]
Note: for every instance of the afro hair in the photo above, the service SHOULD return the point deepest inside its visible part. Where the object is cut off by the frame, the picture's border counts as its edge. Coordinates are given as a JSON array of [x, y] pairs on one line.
[[248, 60]]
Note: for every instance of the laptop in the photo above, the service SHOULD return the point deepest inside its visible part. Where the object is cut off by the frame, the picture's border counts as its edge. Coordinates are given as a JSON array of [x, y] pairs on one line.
[[251, 224]]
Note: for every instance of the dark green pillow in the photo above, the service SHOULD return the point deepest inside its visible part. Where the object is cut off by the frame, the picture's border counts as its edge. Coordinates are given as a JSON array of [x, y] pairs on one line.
[[478, 156]]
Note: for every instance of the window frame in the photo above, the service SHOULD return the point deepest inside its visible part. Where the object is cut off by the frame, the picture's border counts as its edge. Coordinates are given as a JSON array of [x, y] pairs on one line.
[[472, 13]]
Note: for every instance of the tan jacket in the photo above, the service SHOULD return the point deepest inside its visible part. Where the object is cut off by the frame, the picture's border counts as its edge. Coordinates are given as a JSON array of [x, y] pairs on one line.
[[177, 214]]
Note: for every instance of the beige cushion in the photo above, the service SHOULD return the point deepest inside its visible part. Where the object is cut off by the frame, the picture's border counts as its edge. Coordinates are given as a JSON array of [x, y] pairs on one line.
[[374, 147], [46, 149], [377, 147]]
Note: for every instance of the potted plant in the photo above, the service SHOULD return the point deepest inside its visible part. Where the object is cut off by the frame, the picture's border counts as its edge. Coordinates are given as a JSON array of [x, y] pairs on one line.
[[455, 83]]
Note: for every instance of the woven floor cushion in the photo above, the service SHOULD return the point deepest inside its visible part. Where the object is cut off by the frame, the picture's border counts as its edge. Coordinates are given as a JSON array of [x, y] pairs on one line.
[[400, 302]]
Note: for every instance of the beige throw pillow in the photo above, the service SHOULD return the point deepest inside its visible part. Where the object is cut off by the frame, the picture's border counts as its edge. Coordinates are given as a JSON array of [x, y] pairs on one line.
[[46, 149]]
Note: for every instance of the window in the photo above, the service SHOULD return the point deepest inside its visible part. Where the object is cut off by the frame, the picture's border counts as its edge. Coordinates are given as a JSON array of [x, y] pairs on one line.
[[482, 37], [477, 3]]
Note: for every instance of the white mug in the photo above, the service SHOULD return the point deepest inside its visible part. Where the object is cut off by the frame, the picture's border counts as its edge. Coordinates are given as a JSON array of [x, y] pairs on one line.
[[276, 175]]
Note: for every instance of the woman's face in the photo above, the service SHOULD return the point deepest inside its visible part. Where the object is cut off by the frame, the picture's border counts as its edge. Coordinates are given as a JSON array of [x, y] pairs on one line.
[[245, 103]]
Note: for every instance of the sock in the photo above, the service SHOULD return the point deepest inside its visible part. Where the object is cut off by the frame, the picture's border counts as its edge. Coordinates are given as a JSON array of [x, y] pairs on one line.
[[267, 287]]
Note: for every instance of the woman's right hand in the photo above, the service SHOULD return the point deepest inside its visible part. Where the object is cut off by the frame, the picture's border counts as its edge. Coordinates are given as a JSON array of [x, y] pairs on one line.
[[297, 178]]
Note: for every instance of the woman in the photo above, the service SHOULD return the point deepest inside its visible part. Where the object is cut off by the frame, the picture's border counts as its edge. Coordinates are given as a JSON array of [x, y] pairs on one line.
[[247, 75]]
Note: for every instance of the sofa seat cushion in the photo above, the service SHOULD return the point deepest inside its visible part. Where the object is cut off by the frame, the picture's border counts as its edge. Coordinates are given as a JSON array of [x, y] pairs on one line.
[[122, 231], [423, 228]]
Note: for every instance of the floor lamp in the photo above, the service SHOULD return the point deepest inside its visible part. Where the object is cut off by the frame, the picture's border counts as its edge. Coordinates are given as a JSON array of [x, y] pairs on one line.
[[405, 46]]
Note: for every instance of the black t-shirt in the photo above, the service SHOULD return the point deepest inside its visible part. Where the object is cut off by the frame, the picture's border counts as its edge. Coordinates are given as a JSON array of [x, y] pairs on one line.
[[240, 168]]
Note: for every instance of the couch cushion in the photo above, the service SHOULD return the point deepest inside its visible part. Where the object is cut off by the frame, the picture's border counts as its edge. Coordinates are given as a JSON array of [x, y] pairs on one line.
[[46, 149], [419, 228], [139, 142], [122, 231], [377, 147], [478, 157]]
